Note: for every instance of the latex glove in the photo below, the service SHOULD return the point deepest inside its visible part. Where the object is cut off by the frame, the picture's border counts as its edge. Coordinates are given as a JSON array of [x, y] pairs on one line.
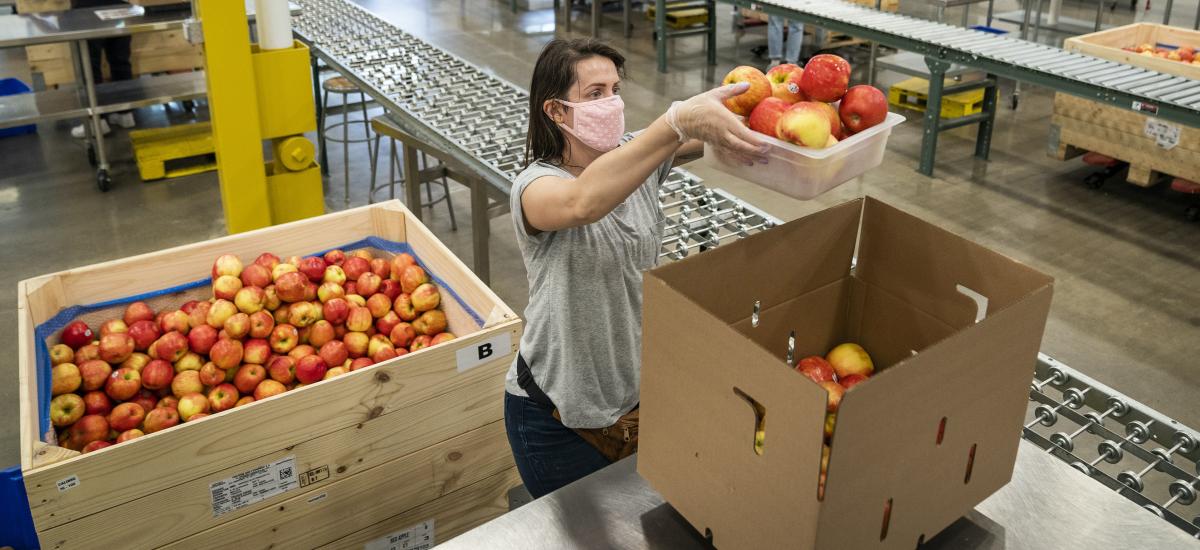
[[705, 117]]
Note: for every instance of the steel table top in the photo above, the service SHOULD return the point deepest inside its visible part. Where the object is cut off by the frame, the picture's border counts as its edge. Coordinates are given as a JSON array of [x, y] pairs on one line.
[[1046, 505]]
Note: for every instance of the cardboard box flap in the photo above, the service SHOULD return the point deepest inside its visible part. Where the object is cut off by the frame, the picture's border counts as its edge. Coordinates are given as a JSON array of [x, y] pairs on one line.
[[772, 266], [924, 265]]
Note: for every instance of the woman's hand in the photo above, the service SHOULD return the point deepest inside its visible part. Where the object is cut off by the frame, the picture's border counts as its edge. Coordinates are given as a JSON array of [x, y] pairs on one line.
[[705, 117]]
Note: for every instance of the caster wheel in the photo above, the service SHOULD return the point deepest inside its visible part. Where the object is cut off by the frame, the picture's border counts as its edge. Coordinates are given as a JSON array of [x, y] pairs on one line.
[[103, 181], [1094, 181], [91, 152], [1192, 213]]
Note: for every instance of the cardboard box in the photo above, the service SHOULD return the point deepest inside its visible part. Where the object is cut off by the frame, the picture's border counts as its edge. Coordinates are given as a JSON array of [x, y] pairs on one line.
[[865, 272]]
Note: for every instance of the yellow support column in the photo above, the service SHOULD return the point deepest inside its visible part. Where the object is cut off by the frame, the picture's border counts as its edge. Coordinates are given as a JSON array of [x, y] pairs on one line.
[[234, 111]]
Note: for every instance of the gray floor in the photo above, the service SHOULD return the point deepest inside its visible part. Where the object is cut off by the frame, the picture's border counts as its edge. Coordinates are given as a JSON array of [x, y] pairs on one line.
[[1126, 310]]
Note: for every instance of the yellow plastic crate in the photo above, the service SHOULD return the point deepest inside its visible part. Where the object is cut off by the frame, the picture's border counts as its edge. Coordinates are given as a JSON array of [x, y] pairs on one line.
[[155, 147], [681, 15], [914, 94]]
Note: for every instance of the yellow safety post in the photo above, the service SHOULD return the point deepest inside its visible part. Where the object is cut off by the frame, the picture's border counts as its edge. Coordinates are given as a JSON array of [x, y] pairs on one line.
[[255, 96]]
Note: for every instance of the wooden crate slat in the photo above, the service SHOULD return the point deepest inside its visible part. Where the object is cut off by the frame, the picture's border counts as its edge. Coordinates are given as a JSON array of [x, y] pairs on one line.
[[1120, 120], [186, 508], [1142, 157], [323, 515]]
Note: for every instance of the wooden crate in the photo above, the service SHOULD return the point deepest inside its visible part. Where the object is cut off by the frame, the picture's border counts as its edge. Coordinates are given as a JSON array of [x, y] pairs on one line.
[[1082, 125], [41, 6], [372, 445], [149, 52]]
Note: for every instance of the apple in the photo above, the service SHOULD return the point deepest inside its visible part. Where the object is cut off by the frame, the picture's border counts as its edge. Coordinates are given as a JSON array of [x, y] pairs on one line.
[[123, 384], [282, 269], [95, 446], [384, 354], [368, 283], [334, 352], [425, 297], [430, 323], [413, 277], [442, 337], [190, 361], [211, 375], [354, 299], [301, 351], [359, 320], [226, 265], [399, 262], [261, 324], [67, 408], [354, 267], [160, 419], [334, 275], [94, 374], [157, 374], [379, 305], [313, 267], [335, 372], [334, 257], [113, 325], [303, 314], [336, 310], [267, 260], [402, 335], [256, 275], [64, 378], [220, 312], [385, 324], [785, 83], [420, 342], [61, 353], [805, 124], [201, 339], [198, 315], [89, 428], [137, 361], [320, 333], [116, 347], [850, 358], [226, 354], [284, 338], [310, 291], [830, 422], [129, 434], [862, 107], [175, 321], [237, 326], [764, 119], [835, 392], [291, 286], [281, 314], [76, 335], [271, 299], [87, 353], [189, 305], [245, 400], [403, 307], [381, 267], [256, 351], [851, 380], [137, 311], [126, 416], [825, 78], [329, 291], [171, 346], [816, 368], [248, 377], [168, 401], [226, 287], [192, 404], [144, 333], [356, 343], [741, 104], [282, 369], [267, 388], [362, 253], [311, 368], [390, 288], [835, 121], [250, 299], [361, 362], [97, 402], [223, 397], [146, 399]]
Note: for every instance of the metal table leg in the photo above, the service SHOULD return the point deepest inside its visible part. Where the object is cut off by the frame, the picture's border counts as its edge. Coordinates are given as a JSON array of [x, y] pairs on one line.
[[874, 52], [412, 180], [512, 4], [480, 229], [933, 113], [626, 8], [320, 115], [103, 180], [660, 33], [710, 38], [983, 139], [596, 4], [567, 13]]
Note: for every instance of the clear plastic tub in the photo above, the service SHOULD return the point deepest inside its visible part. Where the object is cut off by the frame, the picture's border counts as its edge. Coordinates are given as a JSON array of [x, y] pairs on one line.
[[804, 173]]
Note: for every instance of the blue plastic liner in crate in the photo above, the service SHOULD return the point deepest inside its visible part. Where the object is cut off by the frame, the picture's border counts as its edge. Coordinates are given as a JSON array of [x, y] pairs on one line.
[[12, 86]]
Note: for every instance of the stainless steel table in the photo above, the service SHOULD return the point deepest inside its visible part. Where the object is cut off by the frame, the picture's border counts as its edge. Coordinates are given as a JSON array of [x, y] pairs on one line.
[[1047, 505]]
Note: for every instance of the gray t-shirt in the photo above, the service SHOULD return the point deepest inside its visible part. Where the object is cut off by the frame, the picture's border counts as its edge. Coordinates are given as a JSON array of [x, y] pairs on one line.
[[583, 325]]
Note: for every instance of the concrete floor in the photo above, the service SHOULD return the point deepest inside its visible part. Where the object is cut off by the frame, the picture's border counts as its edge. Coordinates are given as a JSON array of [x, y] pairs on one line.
[[1126, 310]]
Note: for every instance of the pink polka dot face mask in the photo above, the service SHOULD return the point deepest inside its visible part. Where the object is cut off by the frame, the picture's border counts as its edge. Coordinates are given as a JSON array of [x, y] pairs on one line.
[[599, 124]]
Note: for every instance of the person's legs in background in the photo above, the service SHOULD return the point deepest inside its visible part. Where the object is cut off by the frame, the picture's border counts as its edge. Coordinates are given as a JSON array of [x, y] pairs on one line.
[[775, 40], [120, 68], [795, 39]]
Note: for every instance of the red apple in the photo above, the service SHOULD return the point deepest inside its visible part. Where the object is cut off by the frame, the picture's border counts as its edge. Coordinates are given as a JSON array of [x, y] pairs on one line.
[[320, 333], [403, 307], [430, 323], [223, 397], [816, 368], [284, 338], [361, 362], [267, 388], [175, 320], [211, 375], [157, 374], [368, 283], [129, 434], [336, 311], [126, 416], [442, 337], [160, 419], [226, 287], [310, 291], [237, 326], [785, 83], [420, 342], [97, 402], [76, 335], [381, 267], [248, 377], [226, 265], [851, 380], [805, 124], [87, 353], [413, 277], [198, 315], [220, 312], [89, 428], [250, 299], [245, 400], [61, 353], [334, 352], [171, 347], [144, 332], [356, 343], [385, 324], [402, 335], [95, 446], [116, 347], [825, 78], [742, 104], [123, 384], [399, 262], [835, 121], [354, 299], [335, 257], [94, 374], [66, 409], [193, 404], [137, 311], [335, 372], [764, 118], [168, 401], [226, 354], [271, 301], [835, 392], [313, 267], [146, 399], [863, 107], [291, 286], [261, 324], [282, 369], [256, 275], [301, 351], [329, 291], [201, 339], [379, 305], [359, 320], [267, 260], [311, 368], [390, 288], [282, 269], [355, 266], [303, 314], [281, 314], [256, 351], [425, 297], [113, 325], [64, 378]]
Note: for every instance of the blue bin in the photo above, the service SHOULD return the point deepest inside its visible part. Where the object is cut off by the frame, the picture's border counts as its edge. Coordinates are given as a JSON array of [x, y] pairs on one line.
[[987, 29], [12, 86], [17, 528]]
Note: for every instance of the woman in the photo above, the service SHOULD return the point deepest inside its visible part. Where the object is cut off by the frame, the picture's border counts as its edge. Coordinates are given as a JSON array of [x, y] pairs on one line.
[[588, 222]]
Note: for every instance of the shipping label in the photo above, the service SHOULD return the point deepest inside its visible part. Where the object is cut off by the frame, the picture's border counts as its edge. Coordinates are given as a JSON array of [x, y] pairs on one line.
[[1165, 134], [417, 537], [254, 486], [487, 350], [68, 483]]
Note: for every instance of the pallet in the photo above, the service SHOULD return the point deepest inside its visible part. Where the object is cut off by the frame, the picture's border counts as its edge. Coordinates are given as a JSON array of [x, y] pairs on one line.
[[681, 15], [399, 435], [914, 94], [188, 147]]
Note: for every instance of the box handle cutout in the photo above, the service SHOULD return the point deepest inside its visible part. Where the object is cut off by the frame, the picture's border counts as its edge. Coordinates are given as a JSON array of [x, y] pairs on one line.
[[887, 518], [791, 350], [760, 421], [981, 301], [941, 430], [970, 463], [920, 541], [754, 316]]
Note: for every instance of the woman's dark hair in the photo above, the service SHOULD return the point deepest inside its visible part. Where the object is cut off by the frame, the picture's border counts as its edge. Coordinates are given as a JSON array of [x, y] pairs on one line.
[[553, 76]]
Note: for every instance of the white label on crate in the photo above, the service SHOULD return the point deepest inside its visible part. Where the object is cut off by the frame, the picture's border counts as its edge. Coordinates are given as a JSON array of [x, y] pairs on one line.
[[254, 486], [417, 537], [120, 13], [487, 350], [1165, 134], [68, 483]]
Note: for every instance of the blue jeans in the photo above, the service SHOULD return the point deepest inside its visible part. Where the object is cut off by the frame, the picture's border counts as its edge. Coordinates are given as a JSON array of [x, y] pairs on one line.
[[548, 454], [775, 46]]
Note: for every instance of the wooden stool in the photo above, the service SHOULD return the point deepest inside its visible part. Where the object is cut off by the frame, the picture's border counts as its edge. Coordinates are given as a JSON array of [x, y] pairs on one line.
[[341, 85], [383, 126]]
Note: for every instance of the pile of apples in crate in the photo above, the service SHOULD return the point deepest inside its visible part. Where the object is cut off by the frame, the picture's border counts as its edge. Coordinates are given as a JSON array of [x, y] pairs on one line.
[[270, 327], [1182, 54], [811, 106]]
